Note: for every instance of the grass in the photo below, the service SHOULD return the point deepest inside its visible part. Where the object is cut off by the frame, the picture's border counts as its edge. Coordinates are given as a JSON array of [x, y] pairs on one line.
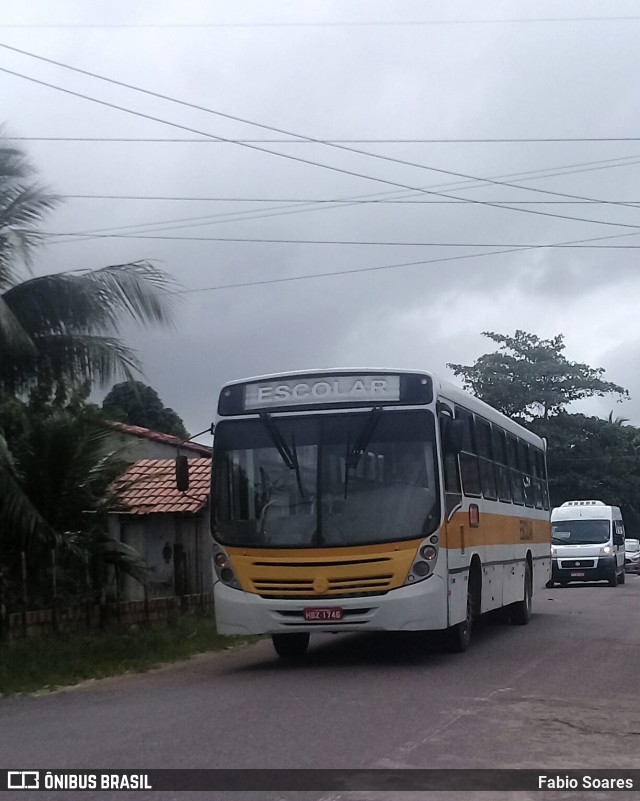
[[56, 660]]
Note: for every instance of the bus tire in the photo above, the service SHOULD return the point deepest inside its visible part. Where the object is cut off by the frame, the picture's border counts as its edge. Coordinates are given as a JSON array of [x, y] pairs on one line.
[[613, 581], [550, 584], [458, 637], [291, 647], [521, 610]]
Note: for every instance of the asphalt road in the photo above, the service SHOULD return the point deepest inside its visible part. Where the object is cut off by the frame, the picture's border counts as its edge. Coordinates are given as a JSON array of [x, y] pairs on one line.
[[559, 693]]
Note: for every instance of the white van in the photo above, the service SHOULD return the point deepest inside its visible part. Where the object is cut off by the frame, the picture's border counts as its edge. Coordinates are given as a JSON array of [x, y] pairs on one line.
[[587, 543]]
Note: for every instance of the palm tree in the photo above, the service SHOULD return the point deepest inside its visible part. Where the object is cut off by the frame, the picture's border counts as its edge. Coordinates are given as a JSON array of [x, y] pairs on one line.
[[62, 477], [63, 327], [57, 332]]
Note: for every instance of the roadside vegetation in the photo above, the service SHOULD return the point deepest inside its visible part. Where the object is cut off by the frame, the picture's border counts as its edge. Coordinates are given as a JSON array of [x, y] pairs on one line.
[[46, 663]]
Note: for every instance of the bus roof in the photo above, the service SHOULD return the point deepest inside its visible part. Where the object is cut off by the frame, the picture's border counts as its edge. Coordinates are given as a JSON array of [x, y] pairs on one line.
[[444, 390]]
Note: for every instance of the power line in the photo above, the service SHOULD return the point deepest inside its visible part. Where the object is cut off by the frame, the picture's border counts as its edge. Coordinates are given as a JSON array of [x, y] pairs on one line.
[[274, 129], [301, 208], [381, 201], [325, 24], [368, 243], [290, 141], [421, 262], [297, 207]]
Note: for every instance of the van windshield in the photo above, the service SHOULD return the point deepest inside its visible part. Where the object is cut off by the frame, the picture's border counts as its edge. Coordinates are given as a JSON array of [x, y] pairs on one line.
[[632, 546], [580, 532]]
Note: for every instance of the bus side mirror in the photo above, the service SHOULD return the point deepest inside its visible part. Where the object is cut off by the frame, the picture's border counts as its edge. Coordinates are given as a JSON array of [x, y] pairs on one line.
[[182, 473], [453, 435]]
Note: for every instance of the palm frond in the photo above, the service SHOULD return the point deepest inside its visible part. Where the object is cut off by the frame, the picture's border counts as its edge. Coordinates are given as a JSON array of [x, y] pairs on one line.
[[93, 301], [13, 338]]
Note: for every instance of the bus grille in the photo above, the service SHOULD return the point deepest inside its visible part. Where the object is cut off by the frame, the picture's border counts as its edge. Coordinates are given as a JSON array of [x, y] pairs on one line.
[[270, 588]]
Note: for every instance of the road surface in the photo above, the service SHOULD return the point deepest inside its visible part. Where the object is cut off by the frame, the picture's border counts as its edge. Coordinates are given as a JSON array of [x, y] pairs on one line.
[[562, 692]]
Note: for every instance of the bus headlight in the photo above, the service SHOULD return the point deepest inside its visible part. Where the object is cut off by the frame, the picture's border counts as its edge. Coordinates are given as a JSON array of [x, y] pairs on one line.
[[605, 549], [224, 570], [425, 561]]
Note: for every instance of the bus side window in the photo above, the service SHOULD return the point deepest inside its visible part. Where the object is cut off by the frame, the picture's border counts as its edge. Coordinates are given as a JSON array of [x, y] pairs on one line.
[[500, 456], [543, 479], [469, 468], [485, 452], [515, 476], [525, 468], [535, 476], [453, 494]]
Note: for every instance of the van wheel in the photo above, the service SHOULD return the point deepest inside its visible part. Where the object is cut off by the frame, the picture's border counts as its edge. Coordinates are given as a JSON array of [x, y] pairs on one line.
[[291, 647], [613, 581], [521, 610]]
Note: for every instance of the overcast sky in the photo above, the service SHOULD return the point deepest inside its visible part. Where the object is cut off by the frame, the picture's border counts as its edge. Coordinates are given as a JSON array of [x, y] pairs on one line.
[[459, 79]]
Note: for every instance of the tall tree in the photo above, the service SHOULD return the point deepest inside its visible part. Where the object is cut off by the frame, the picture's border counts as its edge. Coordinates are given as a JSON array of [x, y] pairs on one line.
[[57, 332], [139, 404], [529, 377], [60, 469]]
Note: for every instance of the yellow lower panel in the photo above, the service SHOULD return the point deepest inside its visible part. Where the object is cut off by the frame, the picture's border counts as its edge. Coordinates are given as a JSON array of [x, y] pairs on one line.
[[323, 572]]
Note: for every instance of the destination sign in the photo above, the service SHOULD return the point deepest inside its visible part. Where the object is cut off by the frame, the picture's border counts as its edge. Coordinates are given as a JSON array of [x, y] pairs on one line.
[[322, 390]]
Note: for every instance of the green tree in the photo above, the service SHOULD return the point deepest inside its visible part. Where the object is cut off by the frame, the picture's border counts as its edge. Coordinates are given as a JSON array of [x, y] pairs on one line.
[[139, 404], [61, 465], [529, 377], [59, 334], [591, 458]]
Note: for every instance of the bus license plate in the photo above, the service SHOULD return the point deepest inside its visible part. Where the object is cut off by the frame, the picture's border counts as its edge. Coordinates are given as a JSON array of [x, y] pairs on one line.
[[577, 575], [323, 613]]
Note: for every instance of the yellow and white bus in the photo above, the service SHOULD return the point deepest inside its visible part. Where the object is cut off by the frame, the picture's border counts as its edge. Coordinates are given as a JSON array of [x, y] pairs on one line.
[[362, 500]]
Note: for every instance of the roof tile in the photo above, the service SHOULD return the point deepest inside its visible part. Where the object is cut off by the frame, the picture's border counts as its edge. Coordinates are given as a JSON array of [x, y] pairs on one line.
[[149, 487]]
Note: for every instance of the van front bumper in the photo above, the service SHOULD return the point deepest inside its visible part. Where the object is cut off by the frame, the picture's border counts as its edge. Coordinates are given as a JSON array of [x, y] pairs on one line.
[[591, 568]]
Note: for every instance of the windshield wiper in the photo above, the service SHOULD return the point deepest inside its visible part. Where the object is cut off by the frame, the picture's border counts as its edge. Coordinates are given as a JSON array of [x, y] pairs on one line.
[[289, 454], [354, 454]]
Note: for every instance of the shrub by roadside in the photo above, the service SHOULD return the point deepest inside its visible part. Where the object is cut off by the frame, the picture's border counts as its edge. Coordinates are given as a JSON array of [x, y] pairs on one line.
[[53, 661]]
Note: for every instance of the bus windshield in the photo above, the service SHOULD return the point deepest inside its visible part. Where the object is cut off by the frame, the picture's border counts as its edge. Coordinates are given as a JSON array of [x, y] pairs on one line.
[[352, 478], [580, 532]]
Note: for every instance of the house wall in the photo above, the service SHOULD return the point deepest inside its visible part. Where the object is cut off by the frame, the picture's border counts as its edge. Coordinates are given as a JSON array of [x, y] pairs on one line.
[[141, 448], [176, 548]]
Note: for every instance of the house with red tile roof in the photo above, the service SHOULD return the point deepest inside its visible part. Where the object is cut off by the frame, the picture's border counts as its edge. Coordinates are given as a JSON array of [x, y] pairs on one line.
[[168, 528], [143, 443]]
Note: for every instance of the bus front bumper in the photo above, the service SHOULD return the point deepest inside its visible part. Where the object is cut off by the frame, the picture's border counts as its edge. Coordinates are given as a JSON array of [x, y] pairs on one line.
[[420, 606]]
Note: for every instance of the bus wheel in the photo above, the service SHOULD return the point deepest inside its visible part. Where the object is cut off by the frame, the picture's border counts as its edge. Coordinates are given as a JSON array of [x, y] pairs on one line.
[[291, 647], [550, 584], [521, 610], [613, 581], [458, 637]]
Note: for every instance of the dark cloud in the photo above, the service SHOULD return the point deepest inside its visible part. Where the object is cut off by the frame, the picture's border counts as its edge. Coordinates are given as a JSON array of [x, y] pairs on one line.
[[563, 79]]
